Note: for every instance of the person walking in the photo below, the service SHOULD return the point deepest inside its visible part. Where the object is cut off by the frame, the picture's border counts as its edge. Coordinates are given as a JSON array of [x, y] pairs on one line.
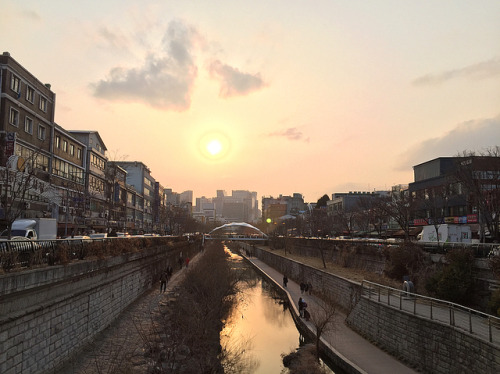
[[187, 261], [302, 287], [163, 282], [301, 307], [285, 280]]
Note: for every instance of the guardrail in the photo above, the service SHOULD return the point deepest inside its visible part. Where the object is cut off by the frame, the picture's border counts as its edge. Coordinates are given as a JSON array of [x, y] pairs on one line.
[[466, 319], [27, 253]]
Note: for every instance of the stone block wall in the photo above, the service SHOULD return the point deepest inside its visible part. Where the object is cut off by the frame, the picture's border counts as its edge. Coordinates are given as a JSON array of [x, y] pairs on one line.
[[47, 314], [362, 256], [430, 346], [343, 291]]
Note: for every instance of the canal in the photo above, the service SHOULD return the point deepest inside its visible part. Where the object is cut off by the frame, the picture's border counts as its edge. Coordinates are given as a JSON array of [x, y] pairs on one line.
[[260, 328]]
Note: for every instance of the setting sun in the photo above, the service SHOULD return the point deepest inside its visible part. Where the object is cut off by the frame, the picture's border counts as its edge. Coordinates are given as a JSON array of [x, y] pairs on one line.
[[214, 147]]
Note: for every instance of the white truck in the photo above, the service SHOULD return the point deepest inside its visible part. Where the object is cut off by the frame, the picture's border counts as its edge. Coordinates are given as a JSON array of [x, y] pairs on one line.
[[33, 228], [446, 233]]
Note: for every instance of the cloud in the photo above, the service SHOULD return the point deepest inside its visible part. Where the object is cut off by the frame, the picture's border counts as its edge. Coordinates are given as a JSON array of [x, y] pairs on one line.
[[480, 70], [112, 38], [234, 82], [31, 15], [166, 79], [291, 133], [475, 135]]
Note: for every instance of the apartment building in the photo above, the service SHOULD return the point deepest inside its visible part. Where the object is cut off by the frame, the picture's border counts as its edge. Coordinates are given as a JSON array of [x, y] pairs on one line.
[[139, 176], [96, 184]]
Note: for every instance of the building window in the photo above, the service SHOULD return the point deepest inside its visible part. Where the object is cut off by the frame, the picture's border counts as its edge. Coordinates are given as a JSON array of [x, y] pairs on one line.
[[41, 132], [65, 146], [97, 162], [79, 153], [42, 162], [30, 94], [14, 117], [15, 84], [58, 141], [28, 125], [71, 149], [43, 104]]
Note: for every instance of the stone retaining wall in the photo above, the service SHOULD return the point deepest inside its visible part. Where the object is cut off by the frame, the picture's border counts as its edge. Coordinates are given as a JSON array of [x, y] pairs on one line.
[[342, 290], [428, 345], [47, 314]]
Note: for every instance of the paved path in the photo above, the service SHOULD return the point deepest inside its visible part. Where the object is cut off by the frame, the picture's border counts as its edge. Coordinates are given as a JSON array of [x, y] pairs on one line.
[[348, 344]]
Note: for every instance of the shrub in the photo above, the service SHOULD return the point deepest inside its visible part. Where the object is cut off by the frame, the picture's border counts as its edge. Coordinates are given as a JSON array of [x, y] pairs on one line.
[[494, 304], [406, 259], [455, 280]]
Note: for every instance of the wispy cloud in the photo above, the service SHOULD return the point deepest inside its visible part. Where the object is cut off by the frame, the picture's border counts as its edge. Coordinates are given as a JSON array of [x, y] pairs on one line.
[[31, 15], [291, 133], [234, 82], [475, 135], [112, 38], [166, 79], [480, 70]]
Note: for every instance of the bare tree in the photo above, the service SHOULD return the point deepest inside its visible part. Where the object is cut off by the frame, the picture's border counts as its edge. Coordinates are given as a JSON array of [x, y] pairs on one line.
[[435, 205], [18, 183], [478, 178], [400, 207], [323, 314]]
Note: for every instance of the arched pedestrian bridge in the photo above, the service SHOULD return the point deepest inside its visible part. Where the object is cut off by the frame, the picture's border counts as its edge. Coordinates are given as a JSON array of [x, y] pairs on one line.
[[238, 231]]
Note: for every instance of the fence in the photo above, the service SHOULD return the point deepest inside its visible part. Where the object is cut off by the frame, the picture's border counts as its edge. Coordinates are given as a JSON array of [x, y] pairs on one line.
[[482, 325], [28, 253]]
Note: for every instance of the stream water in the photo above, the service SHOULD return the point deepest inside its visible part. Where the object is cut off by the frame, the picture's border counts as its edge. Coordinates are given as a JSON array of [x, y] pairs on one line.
[[260, 328]]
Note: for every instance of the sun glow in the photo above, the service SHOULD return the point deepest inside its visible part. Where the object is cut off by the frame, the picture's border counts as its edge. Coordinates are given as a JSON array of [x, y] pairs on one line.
[[214, 146]]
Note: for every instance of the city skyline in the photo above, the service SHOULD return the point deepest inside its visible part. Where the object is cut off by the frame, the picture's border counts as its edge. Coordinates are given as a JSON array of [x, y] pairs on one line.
[[269, 97]]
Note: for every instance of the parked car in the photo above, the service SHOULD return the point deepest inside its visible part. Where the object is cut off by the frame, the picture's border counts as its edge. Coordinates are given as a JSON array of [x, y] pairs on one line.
[[100, 235]]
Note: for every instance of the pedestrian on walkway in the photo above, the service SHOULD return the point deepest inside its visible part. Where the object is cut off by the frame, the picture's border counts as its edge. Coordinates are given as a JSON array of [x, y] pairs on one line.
[[163, 281], [181, 262], [187, 261], [301, 307], [307, 316], [309, 287], [302, 287], [285, 280], [169, 272]]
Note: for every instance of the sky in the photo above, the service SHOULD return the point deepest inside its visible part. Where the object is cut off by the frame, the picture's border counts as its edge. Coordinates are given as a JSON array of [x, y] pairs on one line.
[[273, 96]]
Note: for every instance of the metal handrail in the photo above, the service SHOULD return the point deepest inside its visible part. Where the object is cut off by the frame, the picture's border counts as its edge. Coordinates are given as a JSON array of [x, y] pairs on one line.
[[451, 310]]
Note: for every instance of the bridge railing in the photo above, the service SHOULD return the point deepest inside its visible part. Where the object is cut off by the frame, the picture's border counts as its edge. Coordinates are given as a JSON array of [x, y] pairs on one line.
[[480, 324]]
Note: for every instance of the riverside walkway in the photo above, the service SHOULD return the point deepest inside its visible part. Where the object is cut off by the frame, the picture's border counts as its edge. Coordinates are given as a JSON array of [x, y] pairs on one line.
[[362, 355]]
